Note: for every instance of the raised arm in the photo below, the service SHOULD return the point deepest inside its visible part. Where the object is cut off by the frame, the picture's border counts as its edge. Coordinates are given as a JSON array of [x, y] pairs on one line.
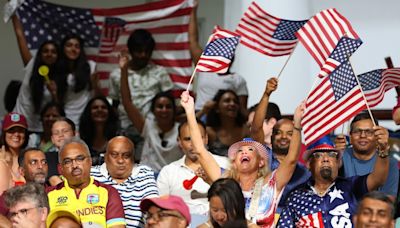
[[206, 160], [133, 113], [195, 49], [22, 43], [256, 131], [287, 167], [381, 169]]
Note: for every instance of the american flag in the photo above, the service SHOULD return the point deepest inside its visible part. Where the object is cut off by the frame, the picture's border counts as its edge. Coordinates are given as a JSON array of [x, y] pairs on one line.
[[220, 50], [322, 32], [342, 52], [267, 34], [375, 83], [314, 220], [166, 20], [332, 102], [112, 29]]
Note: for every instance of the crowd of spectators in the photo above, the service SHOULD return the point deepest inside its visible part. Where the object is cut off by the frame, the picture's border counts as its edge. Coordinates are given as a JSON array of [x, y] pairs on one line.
[[71, 157]]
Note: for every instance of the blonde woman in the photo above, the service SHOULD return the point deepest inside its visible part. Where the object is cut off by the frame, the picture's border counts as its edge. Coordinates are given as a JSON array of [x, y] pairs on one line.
[[249, 167]]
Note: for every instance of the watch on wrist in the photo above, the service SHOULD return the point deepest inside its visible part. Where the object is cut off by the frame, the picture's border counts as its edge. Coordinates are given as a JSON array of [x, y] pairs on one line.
[[384, 153]]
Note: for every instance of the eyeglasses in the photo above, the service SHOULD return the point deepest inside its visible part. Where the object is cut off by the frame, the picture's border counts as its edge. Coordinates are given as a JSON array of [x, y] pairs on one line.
[[23, 211], [367, 132], [159, 215], [35, 162], [330, 154], [68, 161]]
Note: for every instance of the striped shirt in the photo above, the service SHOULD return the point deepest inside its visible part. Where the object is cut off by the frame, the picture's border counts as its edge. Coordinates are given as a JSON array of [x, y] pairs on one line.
[[141, 184]]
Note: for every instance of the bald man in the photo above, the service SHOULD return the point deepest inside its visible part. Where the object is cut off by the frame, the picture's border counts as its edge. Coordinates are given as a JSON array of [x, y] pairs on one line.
[[133, 182]]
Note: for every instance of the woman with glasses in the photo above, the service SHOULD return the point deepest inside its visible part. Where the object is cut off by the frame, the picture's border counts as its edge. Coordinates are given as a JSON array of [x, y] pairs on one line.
[[159, 128]]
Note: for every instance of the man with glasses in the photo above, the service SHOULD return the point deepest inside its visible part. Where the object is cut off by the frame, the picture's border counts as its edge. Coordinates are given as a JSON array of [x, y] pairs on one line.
[[327, 200], [166, 211], [133, 182], [360, 158], [95, 204], [28, 206]]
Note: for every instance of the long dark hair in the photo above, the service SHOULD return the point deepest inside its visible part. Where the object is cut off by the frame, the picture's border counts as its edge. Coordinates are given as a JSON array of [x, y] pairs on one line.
[[81, 70], [213, 117], [230, 193], [36, 82], [87, 126], [166, 94]]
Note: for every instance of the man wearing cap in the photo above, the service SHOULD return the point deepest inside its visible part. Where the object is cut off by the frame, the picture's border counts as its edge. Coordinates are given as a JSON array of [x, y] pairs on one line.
[[95, 204], [327, 200], [133, 182], [359, 159], [166, 211]]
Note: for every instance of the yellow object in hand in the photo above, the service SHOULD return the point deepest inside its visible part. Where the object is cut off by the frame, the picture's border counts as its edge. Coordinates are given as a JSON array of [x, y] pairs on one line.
[[44, 71]]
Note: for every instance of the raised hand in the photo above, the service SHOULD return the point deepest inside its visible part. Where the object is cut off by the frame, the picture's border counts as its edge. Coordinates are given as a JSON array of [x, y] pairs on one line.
[[187, 102], [340, 142], [272, 85], [382, 136], [123, 60], [298, 114]]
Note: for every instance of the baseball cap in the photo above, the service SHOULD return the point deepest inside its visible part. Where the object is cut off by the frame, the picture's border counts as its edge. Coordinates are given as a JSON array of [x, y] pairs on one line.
[[233, 149], [168, 202], [322, 144], [14, 119]]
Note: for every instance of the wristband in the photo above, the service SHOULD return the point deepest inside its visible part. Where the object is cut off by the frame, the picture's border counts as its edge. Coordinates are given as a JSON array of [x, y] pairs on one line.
[[297, 128], [384, 153]]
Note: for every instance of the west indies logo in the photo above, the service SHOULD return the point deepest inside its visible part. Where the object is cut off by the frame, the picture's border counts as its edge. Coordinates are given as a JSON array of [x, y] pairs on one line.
[[92, 198]]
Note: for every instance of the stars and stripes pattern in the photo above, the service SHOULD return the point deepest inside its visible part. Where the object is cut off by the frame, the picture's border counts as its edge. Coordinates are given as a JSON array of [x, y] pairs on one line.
[[113, 27], [166, 20], [342, 52], [333, 101], [267, 34], [311, 221], [219, 52], [375, 83], [322, 32]]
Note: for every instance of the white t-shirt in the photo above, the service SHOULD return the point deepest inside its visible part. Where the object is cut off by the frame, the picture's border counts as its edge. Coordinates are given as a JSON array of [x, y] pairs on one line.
[[24, 104], [208, 85], [75, 103], [171, 178], [154, 154]]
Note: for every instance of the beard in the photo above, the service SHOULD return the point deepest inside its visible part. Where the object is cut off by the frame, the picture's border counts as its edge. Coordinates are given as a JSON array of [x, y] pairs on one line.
[[326, 173], [281, 151]]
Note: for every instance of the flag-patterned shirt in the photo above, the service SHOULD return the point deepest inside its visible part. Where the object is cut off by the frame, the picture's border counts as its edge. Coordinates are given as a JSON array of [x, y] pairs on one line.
[[305, 208]]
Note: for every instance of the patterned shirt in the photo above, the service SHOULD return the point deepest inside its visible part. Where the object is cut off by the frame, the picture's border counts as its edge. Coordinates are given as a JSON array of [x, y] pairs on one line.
[[144, 84], [97, 204], [305, 208], [141, 184]]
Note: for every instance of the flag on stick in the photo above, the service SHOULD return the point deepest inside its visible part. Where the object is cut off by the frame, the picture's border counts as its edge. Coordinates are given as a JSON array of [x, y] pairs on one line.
[[336, 99], [322, 32], [219, 52], [267, 34], [375, 83], [344, 49]]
